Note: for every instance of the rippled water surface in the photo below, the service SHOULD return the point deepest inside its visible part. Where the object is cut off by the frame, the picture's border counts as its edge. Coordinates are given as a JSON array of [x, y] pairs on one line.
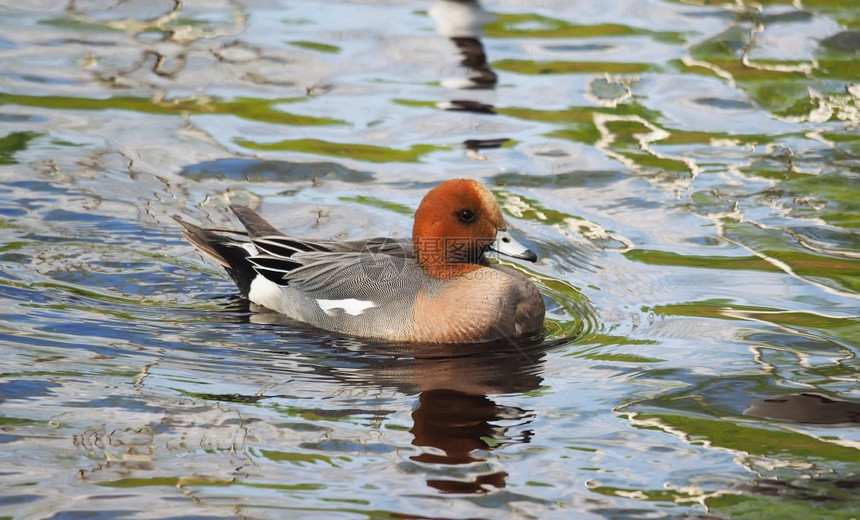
[[688, 173]]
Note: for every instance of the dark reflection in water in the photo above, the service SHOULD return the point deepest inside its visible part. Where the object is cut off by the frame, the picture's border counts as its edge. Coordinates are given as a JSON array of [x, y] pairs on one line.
[[478, 144], [843, 41], [475, 60], [733, 397], [456, 419], [806, 408], [462, 21], [459, 424], [466, 105], [815, 489]]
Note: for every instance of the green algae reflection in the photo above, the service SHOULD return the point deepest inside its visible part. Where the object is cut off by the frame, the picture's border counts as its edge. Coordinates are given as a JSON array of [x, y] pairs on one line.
[[570, 67], [528, 25], [13, 143], [316, 46], [264, 110], [360, 152]]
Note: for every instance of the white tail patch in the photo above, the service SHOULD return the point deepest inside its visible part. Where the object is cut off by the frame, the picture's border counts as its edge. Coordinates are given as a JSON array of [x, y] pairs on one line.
[[265, 292], [350, 306]]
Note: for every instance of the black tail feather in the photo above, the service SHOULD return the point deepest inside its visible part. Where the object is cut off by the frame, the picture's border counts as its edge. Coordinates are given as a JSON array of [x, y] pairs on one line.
[[253, 223], [224, 249]]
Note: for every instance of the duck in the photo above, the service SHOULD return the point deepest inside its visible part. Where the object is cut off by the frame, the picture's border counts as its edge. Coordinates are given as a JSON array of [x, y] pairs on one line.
[[437, 287]]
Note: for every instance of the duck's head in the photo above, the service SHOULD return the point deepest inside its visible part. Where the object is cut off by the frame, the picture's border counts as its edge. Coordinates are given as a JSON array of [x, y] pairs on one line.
[[457, 222]]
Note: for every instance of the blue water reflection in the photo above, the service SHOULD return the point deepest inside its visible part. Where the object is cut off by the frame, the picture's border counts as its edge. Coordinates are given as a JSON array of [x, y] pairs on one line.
[[687, 174]]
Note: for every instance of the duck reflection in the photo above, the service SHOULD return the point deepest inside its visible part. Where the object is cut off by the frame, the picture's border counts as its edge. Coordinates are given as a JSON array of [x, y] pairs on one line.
[[462, 21], [456, 422], [459, 425]]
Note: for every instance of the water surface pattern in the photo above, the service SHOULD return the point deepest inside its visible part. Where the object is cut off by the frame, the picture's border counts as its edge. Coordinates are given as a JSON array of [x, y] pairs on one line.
[[687, 172]]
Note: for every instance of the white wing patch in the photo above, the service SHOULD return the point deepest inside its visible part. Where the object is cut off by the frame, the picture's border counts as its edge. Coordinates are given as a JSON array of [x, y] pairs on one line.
[[350, 306]]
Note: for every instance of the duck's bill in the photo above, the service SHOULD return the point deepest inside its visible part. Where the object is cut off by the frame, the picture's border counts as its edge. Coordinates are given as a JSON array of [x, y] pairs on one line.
[[506, 245]]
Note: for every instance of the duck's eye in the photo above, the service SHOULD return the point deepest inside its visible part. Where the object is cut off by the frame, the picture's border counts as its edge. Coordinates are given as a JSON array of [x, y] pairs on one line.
[[466, 215]]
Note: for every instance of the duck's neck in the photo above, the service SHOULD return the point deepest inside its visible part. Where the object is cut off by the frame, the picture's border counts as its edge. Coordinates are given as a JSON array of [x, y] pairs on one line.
[[447, 258], [449, 271]]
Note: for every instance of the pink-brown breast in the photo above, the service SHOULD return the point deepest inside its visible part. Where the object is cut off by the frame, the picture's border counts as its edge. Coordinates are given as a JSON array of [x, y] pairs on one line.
[[484, 304]]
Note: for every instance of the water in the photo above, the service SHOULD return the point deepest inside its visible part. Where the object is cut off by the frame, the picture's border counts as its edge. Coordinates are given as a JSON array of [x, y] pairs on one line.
[[688, 175]]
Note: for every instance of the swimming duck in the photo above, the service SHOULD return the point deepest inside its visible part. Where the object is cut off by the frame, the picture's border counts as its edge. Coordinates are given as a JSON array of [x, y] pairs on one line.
[[436, 287]]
